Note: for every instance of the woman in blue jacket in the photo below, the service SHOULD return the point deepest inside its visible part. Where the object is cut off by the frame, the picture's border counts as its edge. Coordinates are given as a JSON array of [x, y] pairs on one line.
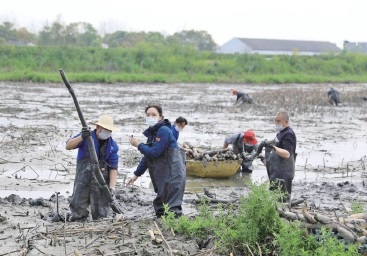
[[164, 160]]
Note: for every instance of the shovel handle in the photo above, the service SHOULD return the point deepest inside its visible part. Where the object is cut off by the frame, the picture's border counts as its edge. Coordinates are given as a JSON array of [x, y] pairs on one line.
[[72, 93]]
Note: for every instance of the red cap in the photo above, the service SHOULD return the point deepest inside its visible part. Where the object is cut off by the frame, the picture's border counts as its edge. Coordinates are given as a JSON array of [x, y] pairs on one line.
[[234, 91], [250, 137]]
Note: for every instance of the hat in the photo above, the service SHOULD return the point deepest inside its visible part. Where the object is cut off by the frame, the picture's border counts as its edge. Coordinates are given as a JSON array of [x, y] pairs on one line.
[[249, 136], [106, 122], [234, 91]]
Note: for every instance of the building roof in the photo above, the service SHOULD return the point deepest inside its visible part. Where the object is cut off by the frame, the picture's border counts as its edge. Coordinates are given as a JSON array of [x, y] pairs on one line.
[[289, 45]]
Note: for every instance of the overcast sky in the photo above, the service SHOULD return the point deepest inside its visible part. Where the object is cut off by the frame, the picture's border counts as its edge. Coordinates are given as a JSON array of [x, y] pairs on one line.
[[316, 20]]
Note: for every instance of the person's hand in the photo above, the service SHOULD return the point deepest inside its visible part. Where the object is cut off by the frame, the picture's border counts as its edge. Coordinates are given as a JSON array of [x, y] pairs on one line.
[[246, 156], [85, 132], [112, 191], [132, 180], [267, 144], [134, 142]]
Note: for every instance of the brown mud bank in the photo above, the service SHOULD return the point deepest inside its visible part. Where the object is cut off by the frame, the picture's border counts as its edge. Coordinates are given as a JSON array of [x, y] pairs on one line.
[[37, 119]]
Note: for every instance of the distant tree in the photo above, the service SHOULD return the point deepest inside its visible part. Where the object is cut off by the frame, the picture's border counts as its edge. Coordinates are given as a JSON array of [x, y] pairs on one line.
[[7, 32], [74, 34], [115, 39], [52, 35], [87, 35], [155, 38], [200, 40], [134, 38], [25, 36]]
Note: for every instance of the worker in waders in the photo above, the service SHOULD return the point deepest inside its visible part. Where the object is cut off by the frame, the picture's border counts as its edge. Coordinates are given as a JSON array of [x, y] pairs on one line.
[[87, 193], [165, 161]]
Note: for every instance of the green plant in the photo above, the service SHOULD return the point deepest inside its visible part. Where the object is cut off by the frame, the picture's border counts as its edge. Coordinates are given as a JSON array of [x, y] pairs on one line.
[[357, 207]]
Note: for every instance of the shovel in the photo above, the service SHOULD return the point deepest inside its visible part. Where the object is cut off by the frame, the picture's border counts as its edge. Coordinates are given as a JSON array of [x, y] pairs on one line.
[[57, 217], [95, 166]]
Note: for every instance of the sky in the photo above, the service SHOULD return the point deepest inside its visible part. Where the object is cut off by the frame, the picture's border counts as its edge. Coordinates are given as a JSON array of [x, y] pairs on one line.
[[316, 20]]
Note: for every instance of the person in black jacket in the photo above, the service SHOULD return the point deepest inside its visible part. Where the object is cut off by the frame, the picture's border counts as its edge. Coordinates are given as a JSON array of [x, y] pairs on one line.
[[333, 97], [280, 158], [242, 98]]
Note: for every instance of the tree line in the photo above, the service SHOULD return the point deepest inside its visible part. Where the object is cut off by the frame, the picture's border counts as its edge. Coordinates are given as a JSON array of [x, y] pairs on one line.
[[83, 34]]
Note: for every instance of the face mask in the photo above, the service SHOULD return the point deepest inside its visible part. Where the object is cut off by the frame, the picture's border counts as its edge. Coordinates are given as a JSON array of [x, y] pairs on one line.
[[279, 127], [178, 129], [151, 121], [104, 134]]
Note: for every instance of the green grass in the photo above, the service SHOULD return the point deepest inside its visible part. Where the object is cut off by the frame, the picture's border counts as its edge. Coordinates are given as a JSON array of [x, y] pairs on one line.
[[174, 64]]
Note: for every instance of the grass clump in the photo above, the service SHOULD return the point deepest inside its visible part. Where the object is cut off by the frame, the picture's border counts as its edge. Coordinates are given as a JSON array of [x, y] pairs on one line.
[[254, 227]]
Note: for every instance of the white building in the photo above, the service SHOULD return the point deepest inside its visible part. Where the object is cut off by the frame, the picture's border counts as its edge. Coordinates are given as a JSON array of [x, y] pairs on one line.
[[277, 47]]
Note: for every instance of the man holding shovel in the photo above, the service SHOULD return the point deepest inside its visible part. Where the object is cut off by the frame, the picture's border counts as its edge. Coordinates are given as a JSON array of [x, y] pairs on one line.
[[87, 190]]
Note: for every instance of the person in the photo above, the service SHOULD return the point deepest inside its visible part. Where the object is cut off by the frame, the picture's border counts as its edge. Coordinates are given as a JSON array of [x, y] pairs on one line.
[[333, 97], [164, 160], [178, 126], [87, 191], [242, 97], [280, 158], [243, 143]]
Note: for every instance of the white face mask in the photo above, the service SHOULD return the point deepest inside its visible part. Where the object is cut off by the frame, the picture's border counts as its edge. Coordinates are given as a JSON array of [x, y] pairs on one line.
[[104, 134], [151, 121], [178, 129], [279, 127]]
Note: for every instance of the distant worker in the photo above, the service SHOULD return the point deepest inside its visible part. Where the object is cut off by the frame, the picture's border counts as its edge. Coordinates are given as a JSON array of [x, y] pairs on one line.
[[243, 143], [178, 126], [242, 98], [333, 97]]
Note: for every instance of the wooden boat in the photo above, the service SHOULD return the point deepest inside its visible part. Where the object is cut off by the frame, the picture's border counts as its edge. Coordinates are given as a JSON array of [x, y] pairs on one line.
[[212, 169]]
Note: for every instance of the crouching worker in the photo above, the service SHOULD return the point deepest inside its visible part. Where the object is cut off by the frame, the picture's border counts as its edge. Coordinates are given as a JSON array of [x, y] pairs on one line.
[[243, 143], [164, 160], [87, 191], [242, 98], [333, 97]]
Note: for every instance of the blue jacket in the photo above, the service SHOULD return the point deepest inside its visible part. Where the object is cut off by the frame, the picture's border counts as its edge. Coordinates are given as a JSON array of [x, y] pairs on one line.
[[111, 154], [174, 131], [159, 138]]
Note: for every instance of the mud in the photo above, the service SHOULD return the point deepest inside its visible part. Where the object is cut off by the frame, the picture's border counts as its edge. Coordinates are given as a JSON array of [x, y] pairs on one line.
[[37, 119]]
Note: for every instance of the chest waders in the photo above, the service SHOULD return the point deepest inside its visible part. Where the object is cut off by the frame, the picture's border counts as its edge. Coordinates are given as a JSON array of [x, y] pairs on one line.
[[239, 148], [93, 156]]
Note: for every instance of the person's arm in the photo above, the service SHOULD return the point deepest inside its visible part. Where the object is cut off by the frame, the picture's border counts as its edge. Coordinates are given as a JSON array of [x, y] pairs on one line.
[[159, 145], [142, 167], [175, 133], [113, 178], [287, 146], [73, 142], [281, 152]]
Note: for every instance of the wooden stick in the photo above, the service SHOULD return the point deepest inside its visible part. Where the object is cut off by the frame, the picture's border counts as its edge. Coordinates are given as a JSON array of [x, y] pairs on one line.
[[164, 240]]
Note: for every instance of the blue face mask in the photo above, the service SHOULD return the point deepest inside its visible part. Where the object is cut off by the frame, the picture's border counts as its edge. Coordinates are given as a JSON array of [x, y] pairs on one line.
[[279, 127], [151, 121], [104, 134]]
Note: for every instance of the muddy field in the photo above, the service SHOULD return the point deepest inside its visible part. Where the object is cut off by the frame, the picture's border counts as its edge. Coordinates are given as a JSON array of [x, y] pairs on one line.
[[37, 119]]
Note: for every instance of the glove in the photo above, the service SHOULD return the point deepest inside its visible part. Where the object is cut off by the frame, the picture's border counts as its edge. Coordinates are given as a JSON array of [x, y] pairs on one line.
[[247, 156], [267, 144], [86, 132]]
